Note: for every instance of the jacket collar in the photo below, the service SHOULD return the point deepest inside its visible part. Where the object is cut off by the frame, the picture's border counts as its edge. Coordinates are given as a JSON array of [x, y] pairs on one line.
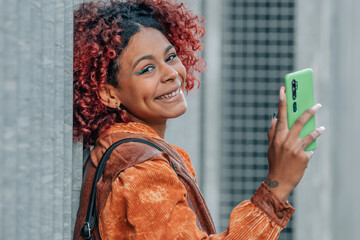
[[131, 127], [105, 140]]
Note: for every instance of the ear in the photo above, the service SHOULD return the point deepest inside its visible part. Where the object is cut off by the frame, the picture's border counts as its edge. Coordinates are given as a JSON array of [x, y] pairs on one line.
[[109, 97]]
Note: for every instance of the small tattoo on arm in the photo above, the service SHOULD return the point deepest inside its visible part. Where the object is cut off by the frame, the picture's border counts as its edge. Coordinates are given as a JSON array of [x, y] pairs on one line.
[[303, 145], [271, 184]]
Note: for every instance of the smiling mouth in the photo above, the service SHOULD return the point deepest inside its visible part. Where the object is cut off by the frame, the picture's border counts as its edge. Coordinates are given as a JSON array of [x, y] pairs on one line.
[[170, 95]]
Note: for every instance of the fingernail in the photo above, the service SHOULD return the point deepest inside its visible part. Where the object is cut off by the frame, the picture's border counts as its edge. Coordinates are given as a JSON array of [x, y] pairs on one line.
[[282, 93], [317, 106], [274, 115], [321, 129]]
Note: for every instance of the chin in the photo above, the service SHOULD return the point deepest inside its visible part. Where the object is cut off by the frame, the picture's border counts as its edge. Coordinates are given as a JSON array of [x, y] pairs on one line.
[[179, 112]]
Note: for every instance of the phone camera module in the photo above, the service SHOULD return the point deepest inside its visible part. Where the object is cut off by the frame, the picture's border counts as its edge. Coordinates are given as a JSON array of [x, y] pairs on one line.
[[294, 84]]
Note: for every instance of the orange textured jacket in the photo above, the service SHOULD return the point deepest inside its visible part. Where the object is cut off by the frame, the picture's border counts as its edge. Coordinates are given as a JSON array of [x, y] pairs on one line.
[[148, 201]]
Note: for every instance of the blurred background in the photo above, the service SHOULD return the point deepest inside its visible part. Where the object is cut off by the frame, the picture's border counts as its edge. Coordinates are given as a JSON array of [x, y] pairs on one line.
[[250, 45]]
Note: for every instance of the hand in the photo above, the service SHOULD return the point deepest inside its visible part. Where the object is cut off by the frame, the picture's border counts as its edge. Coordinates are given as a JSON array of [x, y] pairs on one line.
[[286, 153]]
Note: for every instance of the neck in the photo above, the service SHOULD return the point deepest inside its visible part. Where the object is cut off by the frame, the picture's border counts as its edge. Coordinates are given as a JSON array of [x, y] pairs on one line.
[[158, 127]]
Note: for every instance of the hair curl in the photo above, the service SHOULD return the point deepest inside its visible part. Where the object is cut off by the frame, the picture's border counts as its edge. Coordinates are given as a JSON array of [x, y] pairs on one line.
[[102, 30]]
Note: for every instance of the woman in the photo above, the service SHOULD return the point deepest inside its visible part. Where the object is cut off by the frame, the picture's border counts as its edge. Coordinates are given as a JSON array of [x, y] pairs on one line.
[[133, 62]]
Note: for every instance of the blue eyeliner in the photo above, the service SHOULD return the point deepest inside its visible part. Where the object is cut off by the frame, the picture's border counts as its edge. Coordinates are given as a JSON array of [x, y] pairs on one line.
[[146, 69], [139, 72]]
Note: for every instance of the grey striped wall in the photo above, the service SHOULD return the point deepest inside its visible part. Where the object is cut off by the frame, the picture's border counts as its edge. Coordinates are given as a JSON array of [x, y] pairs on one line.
[[38, 176]]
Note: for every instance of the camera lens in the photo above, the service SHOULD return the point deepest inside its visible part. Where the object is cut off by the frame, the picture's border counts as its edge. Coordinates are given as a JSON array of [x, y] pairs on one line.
[[294, 107], [294, 84]]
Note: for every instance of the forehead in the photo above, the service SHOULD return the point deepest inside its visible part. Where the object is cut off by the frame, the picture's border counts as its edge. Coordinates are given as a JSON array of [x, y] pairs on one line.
[[148, 41]]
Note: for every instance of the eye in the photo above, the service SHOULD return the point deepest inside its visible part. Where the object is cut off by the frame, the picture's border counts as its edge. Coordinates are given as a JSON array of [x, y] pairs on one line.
[[171, 57], [148, 68]]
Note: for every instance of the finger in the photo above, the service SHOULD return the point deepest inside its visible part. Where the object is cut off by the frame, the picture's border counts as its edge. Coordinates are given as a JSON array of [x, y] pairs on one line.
[[281, 124], [303, 119], [309, 154], [306, 141], [271, 131]]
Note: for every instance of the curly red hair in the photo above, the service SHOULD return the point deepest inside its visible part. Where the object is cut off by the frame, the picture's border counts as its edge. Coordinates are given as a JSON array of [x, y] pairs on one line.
[[98, 42]]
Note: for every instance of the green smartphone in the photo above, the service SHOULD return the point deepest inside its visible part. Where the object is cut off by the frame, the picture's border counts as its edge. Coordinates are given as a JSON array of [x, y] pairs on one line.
[[299, 89]]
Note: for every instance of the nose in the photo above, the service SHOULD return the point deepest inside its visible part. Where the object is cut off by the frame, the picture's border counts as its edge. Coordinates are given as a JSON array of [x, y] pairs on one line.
[[168, 73]]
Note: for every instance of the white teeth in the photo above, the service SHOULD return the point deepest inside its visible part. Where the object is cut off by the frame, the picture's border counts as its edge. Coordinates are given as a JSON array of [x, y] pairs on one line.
[[167, 96]]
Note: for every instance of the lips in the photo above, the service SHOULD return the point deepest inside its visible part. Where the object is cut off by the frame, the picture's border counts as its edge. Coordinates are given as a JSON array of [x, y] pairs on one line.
[[169, 94]]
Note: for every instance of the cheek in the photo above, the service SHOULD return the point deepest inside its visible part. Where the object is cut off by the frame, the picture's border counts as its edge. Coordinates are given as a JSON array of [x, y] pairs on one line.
[[144, 89], [181, 71]]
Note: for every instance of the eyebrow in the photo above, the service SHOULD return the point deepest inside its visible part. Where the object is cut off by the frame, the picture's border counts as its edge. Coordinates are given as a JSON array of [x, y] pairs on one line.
[[168, 49], [151, 56]]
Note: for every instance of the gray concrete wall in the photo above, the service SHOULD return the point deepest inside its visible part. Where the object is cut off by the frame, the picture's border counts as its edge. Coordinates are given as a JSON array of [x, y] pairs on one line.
[[327, 200], [36, 168]]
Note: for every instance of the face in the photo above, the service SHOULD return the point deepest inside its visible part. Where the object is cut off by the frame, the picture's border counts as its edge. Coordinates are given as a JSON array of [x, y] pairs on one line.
[[151, 78]]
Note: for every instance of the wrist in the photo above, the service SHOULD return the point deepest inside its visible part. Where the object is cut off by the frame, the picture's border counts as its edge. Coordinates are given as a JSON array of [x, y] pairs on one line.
[[281, 190]]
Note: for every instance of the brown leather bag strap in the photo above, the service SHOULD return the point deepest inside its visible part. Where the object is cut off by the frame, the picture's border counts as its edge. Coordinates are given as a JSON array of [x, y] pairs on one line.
[[90, 221]]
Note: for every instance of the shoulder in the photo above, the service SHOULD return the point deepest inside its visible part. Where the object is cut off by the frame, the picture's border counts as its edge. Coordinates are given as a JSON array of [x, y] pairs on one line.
[[127, 150], [149, 174]]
